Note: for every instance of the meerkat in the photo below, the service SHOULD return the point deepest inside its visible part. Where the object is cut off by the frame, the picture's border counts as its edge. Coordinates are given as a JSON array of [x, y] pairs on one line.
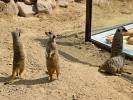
[[52, 56], [114, 65], [117, 43], [18, 58]]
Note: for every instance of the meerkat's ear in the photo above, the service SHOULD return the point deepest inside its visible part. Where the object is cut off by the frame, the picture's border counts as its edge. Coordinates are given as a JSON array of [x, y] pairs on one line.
[[50, 33], [118, 30], [124, 29], [46, 33], [19, 31], [54, 36]]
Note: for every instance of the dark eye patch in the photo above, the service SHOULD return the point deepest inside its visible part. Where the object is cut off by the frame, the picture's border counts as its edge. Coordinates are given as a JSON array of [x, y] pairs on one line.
[[123, 29], [50, 33], [19, 34], [54, 36]]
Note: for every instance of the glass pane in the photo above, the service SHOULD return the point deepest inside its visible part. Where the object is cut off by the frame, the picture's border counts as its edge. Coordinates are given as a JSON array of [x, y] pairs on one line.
[[108, 13]]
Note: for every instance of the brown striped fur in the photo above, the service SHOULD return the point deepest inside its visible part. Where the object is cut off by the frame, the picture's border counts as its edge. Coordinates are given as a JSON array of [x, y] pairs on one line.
[[113, 65]]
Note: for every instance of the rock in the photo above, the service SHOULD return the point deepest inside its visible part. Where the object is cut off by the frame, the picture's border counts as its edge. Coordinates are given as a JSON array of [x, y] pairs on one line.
[[12, 8], [78, 1], [2, 6], [44, 7], [26, 10], [63, 3], [126, 11], [9, 8], [28, 2], [34, 1], [76, 35], [71, 0], [53, 3], [78, 46], [6, 1], [41, 8]]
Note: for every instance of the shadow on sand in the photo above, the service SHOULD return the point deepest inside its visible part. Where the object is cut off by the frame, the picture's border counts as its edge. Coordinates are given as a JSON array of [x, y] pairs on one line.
[[26, 81], [62, 53]]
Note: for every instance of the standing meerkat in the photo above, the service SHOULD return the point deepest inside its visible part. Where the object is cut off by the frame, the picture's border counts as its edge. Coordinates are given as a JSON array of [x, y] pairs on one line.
[[52, 56], [18, 58]]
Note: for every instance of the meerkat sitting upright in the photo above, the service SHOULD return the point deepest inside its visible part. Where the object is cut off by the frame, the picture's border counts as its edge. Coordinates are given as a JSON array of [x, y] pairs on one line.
[[19, 56], [114, 65], [117, 44], [52, 56]]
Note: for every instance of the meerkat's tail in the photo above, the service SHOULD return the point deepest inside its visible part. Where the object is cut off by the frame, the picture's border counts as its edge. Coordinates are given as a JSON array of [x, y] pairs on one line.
[[128, 72], [8, 82], [125, 71]]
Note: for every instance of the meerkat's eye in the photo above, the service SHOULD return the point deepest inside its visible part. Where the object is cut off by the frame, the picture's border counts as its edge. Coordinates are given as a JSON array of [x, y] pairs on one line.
[[46, 33], [50, 33], [123, 29], [54, 36], [118, 30]]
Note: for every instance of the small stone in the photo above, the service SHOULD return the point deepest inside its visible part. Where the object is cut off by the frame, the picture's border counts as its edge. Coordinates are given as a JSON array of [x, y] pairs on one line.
[[63, 3], [9, 8], [44, 7], [76, 36], [28, 2], [78, 1], [26, 10], [79, 47], [53, 3], [6, 1]]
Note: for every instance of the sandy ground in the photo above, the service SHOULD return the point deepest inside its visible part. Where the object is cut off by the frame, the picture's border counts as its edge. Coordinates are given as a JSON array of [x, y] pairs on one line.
[[79, 77]]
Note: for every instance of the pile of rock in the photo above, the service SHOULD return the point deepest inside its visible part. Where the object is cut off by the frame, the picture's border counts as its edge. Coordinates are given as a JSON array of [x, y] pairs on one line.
[[30, 7], [8, 7]]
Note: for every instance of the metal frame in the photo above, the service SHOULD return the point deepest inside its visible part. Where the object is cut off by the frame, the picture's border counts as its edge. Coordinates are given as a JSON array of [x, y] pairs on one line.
[[88, 20]]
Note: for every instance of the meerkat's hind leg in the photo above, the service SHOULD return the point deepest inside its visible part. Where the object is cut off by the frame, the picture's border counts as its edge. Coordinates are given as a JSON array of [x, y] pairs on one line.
[[17, 73], [51, 72], [21, 70], [51, 77], [14, 73], [57, 73]]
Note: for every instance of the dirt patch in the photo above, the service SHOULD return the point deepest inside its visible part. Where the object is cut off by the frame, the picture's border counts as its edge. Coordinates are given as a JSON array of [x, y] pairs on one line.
[[79, 76]]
